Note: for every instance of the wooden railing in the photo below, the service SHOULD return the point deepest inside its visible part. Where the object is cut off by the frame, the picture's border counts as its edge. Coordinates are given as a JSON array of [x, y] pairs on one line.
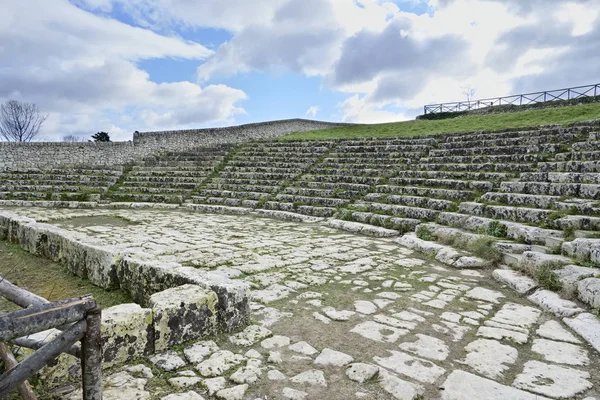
[[78, 318]]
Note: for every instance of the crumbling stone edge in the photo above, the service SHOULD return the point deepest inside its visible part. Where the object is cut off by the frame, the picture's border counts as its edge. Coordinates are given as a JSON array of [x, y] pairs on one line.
[[174, 304]]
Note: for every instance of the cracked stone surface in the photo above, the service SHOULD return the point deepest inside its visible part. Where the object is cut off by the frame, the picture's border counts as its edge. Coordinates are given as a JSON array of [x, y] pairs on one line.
[[366, 316]]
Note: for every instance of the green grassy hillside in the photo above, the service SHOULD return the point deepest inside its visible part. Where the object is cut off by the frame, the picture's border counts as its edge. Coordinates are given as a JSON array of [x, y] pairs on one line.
[[560, 115]]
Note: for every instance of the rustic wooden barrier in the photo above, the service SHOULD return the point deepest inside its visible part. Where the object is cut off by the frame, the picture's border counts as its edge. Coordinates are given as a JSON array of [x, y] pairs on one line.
[[79, 319]]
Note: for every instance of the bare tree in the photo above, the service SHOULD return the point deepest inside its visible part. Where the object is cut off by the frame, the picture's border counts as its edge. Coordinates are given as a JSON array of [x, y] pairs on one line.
[[469, 92], [72, 138], [20, 121]]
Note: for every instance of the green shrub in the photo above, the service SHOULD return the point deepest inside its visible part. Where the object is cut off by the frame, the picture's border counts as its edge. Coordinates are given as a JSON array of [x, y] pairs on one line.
[[547, 278], [424, 233], [497, 229], [484, 248]]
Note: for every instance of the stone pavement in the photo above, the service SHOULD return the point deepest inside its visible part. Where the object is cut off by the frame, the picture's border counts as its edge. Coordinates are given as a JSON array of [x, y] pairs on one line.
[[341, 316]]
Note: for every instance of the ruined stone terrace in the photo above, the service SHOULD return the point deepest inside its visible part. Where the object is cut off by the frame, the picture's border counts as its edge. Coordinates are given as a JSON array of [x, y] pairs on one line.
[[335, 315]]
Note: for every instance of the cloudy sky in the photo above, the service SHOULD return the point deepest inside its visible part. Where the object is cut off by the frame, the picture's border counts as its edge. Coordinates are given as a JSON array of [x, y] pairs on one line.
[[126, 65]]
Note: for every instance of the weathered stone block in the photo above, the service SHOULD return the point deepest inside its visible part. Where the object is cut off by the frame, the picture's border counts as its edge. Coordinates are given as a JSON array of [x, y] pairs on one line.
[[183, 313], [589, 291], [127, 333], [233, 306]]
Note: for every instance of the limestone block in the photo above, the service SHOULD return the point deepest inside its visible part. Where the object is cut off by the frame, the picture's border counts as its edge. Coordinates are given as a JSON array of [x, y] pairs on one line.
[[589, 291], [583, 249], [233, 306], [141, 279], [127, 333], [571, 274], [183, 313]]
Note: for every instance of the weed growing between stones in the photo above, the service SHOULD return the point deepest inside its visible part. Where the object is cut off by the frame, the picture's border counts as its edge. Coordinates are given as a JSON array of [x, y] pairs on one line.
[[547, 278], [496, 229], [484, 248], [424, 233]]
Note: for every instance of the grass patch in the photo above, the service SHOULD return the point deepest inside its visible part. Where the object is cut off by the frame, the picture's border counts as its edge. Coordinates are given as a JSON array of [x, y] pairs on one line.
[[561, 115], [484, 248], [424, 233], [48, 279], [547, 278]]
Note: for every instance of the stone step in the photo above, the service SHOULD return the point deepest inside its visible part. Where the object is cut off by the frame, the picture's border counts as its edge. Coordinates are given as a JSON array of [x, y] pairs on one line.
[[519, 199], [499, 228], [364, 229], [537, 216], [176, 164], [396, 210], [260, 164], [590, 145], [97, 170], [159, 190], [585, 155], [586, 191], [386, 221], [421, 140], [482, 159], [57, 178], [382, 148], [40, 188], [569, 166], [298, 150], [270, 170], [181, 170], [57, 196], [166, 179], [583, 249], [364, 180], [498, 150], [257, 175], [242, 188], [369, 157], [196, 158], [561, 177], [270, 158], [482, 186], [412, 201], [534, 139], [462, 175], [226, 201], [317, 192], [510, 133], [234, 181], [302, 209], [427, 192], [320, 201], [320, 170], [472, 167], [350, 187], [159, 185], [234, 194]]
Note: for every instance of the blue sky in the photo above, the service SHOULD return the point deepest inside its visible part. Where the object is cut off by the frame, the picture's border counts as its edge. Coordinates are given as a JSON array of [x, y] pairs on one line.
[[125, 65]]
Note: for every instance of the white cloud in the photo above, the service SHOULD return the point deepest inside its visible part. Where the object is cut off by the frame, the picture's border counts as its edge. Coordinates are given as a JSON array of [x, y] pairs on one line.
[[358, 109], [81, 68], [389, 62], [312, 111]]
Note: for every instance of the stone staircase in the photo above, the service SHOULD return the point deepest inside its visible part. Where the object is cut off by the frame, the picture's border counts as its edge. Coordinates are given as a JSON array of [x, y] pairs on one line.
[[57, 184], [526, 198], [257, 171], [170, 177]]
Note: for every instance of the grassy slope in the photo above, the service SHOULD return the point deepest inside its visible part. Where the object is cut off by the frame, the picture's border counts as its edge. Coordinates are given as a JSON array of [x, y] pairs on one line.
[[48, 279], [561, 115]]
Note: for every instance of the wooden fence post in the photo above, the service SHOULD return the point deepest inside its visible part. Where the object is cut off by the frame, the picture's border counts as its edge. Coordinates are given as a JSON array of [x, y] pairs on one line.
[[10, 362], [91, 357]]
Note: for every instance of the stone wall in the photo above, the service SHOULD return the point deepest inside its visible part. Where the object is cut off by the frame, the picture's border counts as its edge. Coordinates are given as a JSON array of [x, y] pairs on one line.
[[55, 154], [225, 302]]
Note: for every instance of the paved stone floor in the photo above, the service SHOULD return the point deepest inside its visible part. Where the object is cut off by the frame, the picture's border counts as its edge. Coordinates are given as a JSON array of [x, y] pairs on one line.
[[341, 316]]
